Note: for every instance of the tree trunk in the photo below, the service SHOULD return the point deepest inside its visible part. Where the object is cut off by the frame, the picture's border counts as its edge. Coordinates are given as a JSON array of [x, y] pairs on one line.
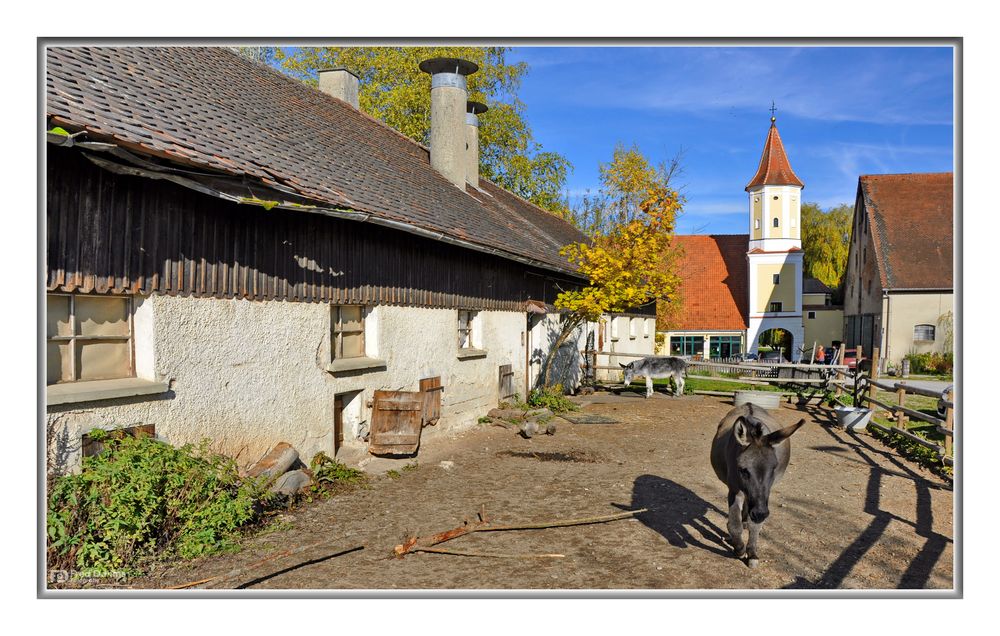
[[564, 335]]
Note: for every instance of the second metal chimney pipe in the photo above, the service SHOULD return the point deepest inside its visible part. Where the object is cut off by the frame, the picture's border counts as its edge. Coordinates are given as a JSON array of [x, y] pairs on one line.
[[448, 97]]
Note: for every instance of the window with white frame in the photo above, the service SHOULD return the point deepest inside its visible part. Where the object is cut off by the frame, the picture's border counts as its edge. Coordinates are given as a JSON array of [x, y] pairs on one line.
[[614, 328], [923, 332], [466, 333], [645, 327], [347, 337], [632, 327], [88, 337]]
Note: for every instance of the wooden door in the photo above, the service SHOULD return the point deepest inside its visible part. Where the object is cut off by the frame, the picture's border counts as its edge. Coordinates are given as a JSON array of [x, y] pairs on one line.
[[432, 390], [396, 419]]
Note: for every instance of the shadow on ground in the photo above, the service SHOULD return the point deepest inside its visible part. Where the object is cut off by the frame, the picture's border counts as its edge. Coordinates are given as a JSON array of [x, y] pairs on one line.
[[678, 514]]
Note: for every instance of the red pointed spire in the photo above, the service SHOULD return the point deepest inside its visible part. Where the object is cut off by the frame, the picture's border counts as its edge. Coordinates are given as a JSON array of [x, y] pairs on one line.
[[774, 168]]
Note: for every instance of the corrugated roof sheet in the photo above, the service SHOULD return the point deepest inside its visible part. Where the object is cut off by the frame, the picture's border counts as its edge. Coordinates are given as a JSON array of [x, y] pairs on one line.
[[911, 217], [213, 110], [714, 282]]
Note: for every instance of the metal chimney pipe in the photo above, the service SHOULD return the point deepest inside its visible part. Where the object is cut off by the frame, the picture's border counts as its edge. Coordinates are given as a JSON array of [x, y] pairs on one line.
[[448, 97], [472, 112], [340, 83]]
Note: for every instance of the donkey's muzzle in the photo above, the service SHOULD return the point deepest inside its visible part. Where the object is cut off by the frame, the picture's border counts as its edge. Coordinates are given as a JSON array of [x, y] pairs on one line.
[[758, 516]]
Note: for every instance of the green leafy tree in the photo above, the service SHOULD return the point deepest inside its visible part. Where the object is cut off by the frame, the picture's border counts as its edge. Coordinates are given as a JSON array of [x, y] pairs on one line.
[[394, 90], [826, 240], [628, 261]]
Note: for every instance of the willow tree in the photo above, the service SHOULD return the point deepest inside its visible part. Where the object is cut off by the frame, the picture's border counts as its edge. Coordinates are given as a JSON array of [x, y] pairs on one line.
[[395, 91], [826, 238], [629, 262]]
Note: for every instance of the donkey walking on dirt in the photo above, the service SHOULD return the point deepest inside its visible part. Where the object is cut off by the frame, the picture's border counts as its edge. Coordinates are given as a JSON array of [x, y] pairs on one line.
[[657, 367], [750, 454]]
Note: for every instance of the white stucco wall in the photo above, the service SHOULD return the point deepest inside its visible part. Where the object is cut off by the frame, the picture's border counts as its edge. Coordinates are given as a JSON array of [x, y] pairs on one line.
[[251, 374], [904, 311]]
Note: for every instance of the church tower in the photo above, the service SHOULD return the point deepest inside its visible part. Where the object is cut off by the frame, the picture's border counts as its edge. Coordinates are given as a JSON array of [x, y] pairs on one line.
[[775, 248]]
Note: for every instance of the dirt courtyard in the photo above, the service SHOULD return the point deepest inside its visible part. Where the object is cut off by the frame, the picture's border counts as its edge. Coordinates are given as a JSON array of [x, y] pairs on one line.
[[848, 514]]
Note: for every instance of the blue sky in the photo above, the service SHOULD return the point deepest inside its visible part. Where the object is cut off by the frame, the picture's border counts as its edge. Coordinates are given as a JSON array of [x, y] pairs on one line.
[[842, 112]]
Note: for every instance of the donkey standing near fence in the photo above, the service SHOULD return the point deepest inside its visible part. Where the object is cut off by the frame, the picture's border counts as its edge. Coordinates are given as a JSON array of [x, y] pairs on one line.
[[750, 454], [657, 367]]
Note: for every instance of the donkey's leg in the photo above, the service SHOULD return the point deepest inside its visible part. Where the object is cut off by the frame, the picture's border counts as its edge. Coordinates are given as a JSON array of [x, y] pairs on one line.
[[679, 383], [752, 559], [735, 525], [649, 386]]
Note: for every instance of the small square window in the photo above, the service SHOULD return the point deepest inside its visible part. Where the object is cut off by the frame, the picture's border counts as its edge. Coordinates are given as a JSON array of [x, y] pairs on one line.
[[348, 331], [466, 321], [811, 315], [88, 338], [775, 306]]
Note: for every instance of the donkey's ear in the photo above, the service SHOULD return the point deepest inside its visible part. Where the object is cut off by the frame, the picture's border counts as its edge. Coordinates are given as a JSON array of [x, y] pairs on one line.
[[782, 434], [622, 365], [741, 430]]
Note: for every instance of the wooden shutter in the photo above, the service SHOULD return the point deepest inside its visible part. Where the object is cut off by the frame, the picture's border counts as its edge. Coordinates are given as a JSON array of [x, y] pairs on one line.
[[506, 389], [396, 421], [432, 390]]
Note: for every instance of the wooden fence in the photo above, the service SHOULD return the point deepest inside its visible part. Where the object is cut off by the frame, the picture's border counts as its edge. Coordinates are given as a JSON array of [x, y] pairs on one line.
[[733, 370], [902, 415]]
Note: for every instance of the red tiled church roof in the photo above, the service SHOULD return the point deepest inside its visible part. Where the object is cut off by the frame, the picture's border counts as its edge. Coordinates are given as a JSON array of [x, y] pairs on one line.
[[774, 168], [714, 278], [911, 217]]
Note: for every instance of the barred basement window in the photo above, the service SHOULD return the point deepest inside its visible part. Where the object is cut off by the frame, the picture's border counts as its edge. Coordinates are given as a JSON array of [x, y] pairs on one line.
[[923, 332], [348, 331], [465, 320], [88, 338]]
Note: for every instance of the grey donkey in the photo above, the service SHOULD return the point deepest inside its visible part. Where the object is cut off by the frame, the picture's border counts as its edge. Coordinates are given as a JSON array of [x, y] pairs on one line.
[[657, 367], [750, 454]]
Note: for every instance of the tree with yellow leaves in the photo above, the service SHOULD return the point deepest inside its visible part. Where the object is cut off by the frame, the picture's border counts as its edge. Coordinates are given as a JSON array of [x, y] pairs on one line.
[[627, 265]]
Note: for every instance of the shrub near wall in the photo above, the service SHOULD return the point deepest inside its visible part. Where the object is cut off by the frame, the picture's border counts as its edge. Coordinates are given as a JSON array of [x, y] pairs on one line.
[[932, 363], [141, 499]]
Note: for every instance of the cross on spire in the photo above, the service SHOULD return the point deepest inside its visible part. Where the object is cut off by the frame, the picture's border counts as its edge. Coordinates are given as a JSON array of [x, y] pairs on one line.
[[772, 109]]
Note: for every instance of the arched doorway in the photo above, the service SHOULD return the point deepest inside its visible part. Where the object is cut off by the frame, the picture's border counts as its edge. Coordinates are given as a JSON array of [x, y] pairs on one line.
[[775, 340]]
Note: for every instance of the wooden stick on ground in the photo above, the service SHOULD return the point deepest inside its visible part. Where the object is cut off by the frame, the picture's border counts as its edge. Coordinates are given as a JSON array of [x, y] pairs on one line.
[[490, 555], [417, 542]]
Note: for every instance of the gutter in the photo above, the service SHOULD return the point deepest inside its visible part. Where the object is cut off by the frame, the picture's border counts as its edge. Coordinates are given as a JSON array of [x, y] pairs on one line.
[[340, 213]]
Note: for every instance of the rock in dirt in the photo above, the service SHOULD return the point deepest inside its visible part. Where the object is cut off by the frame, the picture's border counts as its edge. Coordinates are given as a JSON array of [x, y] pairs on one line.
[[276, 462], [506, 414], [291, 482], [447, 465]]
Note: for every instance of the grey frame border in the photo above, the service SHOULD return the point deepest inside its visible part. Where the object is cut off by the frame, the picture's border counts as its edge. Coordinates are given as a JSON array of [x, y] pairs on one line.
[[956, 43]]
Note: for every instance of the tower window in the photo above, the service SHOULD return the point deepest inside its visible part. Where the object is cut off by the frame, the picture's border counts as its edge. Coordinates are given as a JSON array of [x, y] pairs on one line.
[[756, 224], [775, 197], [775, 222], [775, 306], [775, 278]]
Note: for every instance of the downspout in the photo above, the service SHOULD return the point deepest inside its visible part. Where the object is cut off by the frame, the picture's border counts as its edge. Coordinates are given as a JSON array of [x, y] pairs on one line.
[[886, 323]]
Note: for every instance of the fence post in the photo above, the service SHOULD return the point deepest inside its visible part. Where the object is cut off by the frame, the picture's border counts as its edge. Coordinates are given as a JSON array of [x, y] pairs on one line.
[[874, 376], [901, 397], [840, 374], [949, 423]]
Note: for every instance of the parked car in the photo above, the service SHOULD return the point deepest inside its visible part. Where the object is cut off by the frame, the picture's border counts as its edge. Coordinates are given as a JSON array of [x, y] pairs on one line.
[[946, 396], [770, 356], [851, 360]]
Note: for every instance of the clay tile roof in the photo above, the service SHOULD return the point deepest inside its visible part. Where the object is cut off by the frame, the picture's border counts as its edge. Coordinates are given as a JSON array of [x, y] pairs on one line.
[[714, 290], [212, 110], [911, 217], [774, 168]]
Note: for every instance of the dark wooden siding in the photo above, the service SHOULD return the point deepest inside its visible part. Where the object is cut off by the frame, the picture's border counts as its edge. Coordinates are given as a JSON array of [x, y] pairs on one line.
[[118, 234]]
